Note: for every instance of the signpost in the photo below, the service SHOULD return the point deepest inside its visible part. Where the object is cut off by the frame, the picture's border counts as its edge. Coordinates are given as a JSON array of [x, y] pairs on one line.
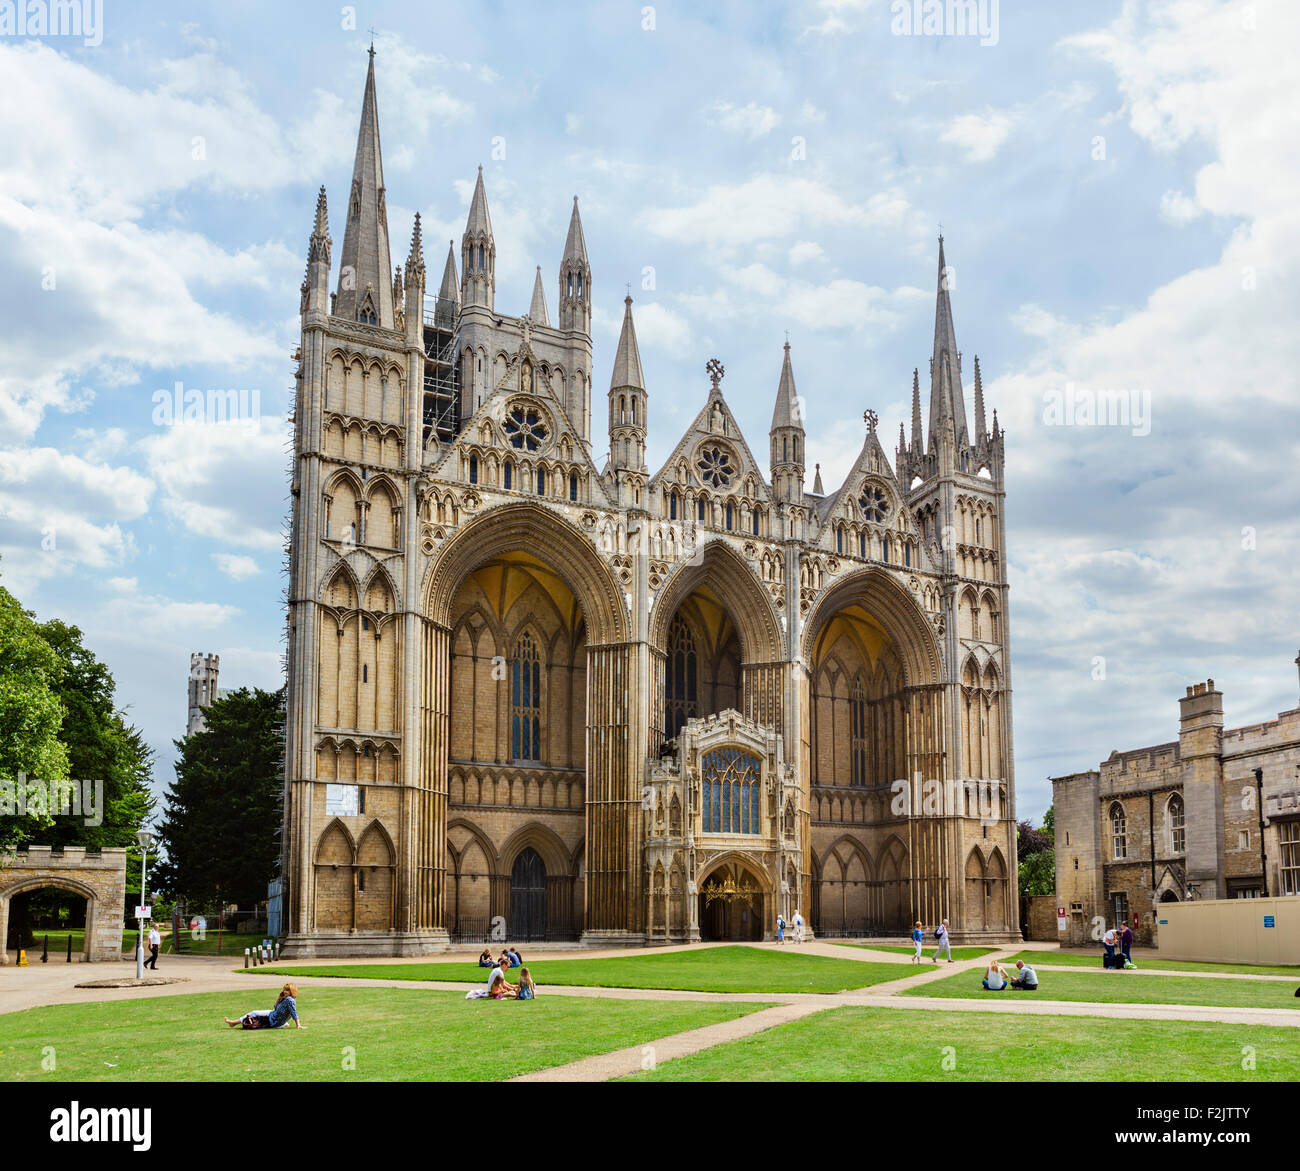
[[1060, 919], [142, 912]]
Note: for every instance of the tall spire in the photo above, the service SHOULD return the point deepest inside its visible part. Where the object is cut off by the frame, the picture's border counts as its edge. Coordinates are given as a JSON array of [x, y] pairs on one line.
[[316, 284], [786, 412], [478, 252], [537, 310], [627, 362], [980, 429], [945, 365], [415, 258], [918, 435], [450, 290], [575, 278], [365, 274]]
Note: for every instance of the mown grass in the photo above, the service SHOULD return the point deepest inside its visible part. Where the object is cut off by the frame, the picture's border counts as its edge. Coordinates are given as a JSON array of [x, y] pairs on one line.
[[881, 1044], [1092, 959], [1115, 987], [715, 969], [354, 1034], [927, 950]]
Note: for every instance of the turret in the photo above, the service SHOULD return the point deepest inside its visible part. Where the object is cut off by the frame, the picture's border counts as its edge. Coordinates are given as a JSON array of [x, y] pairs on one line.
[[575, 279], [365, 291], [316, 284], [478, 253], [787, 438], [447, 305], [537, 309], [627, 404], [415, 280]]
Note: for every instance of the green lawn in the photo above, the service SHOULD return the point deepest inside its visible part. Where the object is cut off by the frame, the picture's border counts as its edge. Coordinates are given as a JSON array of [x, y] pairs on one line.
[[879, 1044], [1092, 959], [394, 1035], [59, 942], [958, 953], [720, 969], [1125, 988]]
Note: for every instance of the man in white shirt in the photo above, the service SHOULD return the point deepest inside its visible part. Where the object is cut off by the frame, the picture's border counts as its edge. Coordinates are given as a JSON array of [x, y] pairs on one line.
[[1110, 941], [945, 944], [155, 941]]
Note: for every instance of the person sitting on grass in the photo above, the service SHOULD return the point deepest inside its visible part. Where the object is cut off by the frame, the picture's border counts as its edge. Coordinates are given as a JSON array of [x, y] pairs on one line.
[[995, 977], [286, 1006], [1025, 979], [527, 990], [486, 960], [512, 954], [499, 988]]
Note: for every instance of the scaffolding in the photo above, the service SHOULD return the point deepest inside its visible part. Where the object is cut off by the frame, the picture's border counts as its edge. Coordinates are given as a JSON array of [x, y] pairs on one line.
[[441, 374]]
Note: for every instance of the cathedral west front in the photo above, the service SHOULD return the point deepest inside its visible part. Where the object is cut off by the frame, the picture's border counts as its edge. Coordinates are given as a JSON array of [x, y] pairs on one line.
[[539, 690]]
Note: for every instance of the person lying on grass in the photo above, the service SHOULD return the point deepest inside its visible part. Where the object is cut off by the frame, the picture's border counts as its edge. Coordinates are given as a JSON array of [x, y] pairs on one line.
[[286, 1006], [995, 977]]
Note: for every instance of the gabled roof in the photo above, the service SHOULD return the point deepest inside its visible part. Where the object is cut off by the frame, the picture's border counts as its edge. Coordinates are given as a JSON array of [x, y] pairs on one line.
[[725, 429]]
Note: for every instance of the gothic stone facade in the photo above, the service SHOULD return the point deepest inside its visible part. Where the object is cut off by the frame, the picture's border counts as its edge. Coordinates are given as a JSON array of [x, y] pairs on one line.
[[1214, 814], [583, 701]]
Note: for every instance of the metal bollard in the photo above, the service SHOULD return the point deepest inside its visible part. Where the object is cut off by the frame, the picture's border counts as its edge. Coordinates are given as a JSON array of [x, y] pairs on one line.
[[245, 957], [45, 949], [69, 949]]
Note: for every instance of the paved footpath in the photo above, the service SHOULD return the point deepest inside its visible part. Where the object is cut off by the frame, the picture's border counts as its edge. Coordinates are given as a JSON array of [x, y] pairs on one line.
[[45, 984]]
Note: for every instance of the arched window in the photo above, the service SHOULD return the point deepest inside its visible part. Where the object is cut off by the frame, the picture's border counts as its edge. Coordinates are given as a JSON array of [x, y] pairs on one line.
[[541, 481], [756, 522], [473, 469], [858, 720], [907, 553], [839, 540], [731, 803], [681, 681], [1177, 824], [1118, 832], [884, 549], [525, 701], [672, 506], [700, 504], [508, 475], [862, 544], [728, 518], [573, 485]]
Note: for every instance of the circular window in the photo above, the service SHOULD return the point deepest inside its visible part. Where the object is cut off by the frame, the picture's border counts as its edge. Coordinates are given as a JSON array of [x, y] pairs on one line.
[[874, 503], [525, 429], [715, 466]]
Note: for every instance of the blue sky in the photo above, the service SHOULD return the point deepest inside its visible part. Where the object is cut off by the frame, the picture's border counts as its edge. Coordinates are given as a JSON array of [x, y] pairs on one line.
[[1117, 204]]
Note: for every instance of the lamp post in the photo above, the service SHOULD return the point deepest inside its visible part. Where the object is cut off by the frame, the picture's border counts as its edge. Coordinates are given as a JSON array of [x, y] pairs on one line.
[[146, 840]]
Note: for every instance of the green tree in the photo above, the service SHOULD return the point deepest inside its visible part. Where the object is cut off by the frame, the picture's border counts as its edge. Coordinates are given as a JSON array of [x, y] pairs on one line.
[[223, 812], [31, 715], [1036, 849], [101, 747]]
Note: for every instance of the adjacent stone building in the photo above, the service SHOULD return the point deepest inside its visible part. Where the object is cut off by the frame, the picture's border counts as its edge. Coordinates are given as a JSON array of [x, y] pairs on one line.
[[538, 689], [205, 671], [1214, 814]]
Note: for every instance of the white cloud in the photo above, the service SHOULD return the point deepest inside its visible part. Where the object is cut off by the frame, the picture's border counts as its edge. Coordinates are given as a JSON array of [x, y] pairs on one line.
[[804, 251], [981, 136], [236, 566], [1176, 208], [751, 120]]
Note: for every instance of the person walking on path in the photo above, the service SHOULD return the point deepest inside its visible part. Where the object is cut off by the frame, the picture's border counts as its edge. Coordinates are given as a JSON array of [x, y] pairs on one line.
[[798, 926], [918, 938], [780, 929], [945, 943], [155, 941]]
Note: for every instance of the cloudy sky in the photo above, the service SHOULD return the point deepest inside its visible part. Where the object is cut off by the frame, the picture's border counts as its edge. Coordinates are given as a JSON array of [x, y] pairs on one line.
[[1119, 191]]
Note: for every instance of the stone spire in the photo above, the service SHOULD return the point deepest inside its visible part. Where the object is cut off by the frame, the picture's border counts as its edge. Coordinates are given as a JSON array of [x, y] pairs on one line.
[[416, 275], [537, 310], [415, 257], [818, 490], [786, 437], [316, 284], [946, 399], [627, 406], [918, 435], [365, 290], [575, 278], [450, 290], [478, 252], [980, 429], [627, 362]]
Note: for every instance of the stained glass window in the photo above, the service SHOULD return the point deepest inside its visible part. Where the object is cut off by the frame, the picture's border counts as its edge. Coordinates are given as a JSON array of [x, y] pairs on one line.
[[715, 466], [874, 503], [526, 702], [525, 429], [731, 801], [681, 681]]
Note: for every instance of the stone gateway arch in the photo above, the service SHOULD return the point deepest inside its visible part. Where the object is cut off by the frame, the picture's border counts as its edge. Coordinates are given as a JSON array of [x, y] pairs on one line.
[[539, 694]]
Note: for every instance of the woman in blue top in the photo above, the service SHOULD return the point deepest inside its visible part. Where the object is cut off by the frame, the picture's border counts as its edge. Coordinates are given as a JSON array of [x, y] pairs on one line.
[[286, 1006], [918, 937]]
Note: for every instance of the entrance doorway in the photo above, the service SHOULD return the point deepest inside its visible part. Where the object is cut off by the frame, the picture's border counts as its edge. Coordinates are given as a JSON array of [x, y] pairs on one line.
[[527, 897], [731, 905]]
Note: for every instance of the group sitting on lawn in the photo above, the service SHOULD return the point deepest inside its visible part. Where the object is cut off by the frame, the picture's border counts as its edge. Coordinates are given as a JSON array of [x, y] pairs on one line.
[[997, 978], [500, 988], [511, 954]]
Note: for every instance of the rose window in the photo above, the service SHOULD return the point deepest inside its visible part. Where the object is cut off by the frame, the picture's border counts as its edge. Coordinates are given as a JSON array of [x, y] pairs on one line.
[[525, 429], [715, 466], [874, 503]]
